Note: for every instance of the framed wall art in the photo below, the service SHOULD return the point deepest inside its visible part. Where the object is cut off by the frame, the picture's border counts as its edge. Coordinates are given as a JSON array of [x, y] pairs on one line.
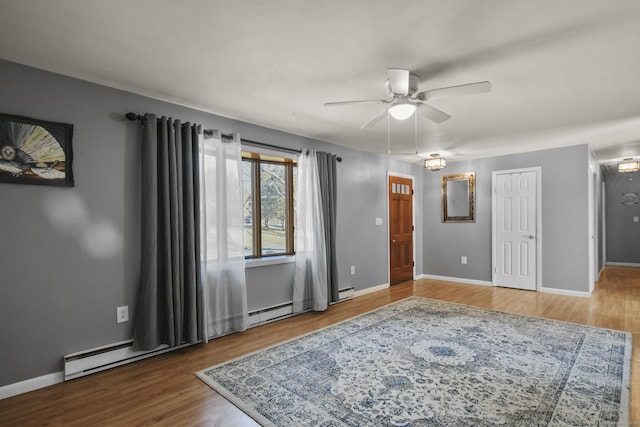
[[35, 151]]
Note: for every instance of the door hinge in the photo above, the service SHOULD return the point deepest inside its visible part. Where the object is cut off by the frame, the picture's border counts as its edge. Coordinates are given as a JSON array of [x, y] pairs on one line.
[[413, 228], [413, 263]]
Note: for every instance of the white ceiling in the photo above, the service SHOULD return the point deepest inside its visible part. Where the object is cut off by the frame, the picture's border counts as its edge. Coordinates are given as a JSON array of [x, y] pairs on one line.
[[564, 72]]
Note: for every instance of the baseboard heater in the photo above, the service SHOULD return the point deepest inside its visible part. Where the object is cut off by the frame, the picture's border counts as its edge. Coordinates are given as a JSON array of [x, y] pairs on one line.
[[346, 293], [106, 357], [109, 356], [270, 314], [281, 311]]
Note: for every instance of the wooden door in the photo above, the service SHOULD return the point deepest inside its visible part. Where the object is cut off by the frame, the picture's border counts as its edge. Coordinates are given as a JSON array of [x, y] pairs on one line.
[[516, 236], [400, 229]]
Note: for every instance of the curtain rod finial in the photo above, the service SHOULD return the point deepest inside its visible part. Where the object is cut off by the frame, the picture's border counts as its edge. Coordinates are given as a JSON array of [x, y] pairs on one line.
[[133, 117]]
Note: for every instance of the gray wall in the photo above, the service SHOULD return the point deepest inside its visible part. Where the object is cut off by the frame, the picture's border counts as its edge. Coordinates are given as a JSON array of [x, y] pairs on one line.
[[623, 234], [69, 256], [597, 180], [565, 232]]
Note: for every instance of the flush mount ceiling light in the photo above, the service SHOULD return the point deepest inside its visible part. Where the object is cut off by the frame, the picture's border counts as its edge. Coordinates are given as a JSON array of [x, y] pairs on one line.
[[629, 165], [435, 163], [402, 110]]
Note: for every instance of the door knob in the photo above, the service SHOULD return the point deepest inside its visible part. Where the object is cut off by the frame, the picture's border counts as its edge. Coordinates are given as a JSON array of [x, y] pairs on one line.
[[393, 240], [531, 236]]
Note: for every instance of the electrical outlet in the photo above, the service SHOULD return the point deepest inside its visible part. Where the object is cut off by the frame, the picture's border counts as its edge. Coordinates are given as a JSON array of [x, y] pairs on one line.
[[463, 260], [353, 270], [122, 314]]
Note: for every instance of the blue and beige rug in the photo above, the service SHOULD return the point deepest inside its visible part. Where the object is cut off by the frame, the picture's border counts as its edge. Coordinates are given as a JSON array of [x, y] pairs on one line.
[[421, 362]]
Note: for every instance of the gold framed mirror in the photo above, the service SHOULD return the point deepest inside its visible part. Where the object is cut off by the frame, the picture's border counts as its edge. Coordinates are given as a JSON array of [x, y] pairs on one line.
[[458, 197]]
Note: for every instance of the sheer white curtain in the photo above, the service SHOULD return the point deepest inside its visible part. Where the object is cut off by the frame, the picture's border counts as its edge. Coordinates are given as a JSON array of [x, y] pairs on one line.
[[310, 280], [225, 294]]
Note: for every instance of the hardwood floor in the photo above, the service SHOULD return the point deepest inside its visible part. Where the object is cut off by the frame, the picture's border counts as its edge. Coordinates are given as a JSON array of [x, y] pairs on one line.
[[163, 390]]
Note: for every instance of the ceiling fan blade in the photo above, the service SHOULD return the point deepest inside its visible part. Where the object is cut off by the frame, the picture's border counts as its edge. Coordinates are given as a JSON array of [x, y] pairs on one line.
[[433, 113], [466, 89], [375, 119], [398, 80], [364, 101]]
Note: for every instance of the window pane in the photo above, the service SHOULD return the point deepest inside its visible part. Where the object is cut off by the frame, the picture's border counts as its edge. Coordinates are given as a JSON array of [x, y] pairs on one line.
[[273, 208], [247, 198]]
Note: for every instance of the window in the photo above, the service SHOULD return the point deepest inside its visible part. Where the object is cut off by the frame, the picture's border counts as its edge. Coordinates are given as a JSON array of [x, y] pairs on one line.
[[267, 183]]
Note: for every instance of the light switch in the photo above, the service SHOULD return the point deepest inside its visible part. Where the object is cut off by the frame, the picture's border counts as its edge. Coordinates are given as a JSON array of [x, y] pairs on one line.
[[636, 219], [378, 221]]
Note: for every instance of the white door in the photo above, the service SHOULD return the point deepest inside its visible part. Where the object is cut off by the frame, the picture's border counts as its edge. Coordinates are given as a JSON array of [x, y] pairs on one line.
[[515, 236]]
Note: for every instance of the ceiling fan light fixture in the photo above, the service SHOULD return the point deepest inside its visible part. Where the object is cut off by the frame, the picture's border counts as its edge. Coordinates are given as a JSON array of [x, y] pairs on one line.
[[402, 110], [629, 165], [436, 163]]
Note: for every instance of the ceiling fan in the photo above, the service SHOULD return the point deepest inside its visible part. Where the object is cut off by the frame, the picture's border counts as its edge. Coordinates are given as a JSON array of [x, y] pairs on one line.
[[402, 89]]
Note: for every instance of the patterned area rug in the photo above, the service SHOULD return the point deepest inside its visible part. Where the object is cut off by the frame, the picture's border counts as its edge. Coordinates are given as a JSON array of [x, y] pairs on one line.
[[421, 362]]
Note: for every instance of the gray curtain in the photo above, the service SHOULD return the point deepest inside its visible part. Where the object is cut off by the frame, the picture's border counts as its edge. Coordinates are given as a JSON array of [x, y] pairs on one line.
[[328, 191], [169, 299]]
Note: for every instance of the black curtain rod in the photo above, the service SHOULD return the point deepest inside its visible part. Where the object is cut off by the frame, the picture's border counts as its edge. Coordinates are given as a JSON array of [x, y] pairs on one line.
[[263, 144], [133, 117]]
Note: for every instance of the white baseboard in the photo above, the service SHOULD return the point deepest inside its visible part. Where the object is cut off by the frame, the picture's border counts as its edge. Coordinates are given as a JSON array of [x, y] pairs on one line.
[[31, 384], [486, 283], [455, 279], [623, 264], [371, 289], [565, 292]]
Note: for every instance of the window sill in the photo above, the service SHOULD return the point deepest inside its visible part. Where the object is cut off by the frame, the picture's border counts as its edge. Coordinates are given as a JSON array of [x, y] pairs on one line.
[[264, 261]]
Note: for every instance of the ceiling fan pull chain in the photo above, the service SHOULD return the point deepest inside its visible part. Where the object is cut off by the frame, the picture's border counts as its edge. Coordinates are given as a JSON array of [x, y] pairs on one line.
[[415, 131], [388, 135]]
